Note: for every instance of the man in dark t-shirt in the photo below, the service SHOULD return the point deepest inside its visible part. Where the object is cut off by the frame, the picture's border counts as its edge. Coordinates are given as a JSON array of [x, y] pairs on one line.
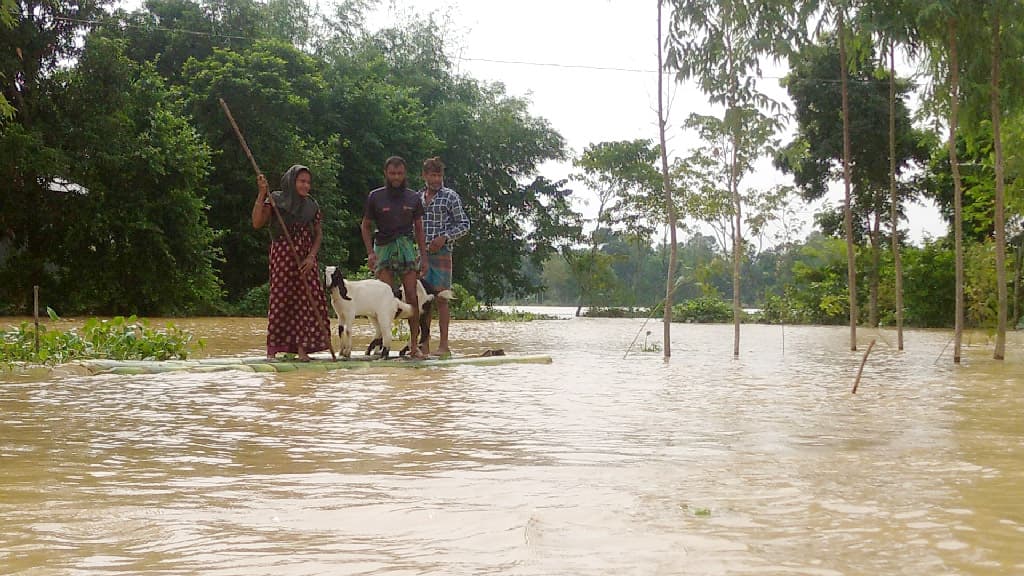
[[392, 231]]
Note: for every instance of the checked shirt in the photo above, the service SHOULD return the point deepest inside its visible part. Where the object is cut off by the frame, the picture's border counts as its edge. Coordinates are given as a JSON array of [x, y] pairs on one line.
[[444, 216]]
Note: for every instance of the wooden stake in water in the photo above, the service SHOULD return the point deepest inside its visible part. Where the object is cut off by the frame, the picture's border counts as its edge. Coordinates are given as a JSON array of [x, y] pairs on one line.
[[35, 313], [861, 370]]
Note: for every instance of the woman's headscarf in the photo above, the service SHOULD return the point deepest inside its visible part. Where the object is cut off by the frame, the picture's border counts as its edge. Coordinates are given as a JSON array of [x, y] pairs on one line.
[[293, 207]]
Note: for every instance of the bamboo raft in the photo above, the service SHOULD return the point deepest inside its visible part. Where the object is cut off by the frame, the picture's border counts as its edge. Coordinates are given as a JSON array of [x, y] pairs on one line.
[[261, 364]]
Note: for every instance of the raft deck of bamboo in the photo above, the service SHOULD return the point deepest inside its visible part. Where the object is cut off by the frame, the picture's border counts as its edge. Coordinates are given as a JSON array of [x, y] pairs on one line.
[[261, 364]]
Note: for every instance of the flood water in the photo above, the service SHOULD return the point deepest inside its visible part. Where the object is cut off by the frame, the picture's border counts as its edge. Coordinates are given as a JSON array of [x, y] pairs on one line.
[[593, 464]]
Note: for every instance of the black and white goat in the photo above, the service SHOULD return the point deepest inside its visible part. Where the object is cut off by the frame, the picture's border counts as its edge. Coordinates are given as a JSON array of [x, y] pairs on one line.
[[425, 295], [370, 298]]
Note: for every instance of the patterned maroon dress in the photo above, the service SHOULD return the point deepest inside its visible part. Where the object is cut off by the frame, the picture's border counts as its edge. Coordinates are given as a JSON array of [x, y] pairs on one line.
[[291, 322]]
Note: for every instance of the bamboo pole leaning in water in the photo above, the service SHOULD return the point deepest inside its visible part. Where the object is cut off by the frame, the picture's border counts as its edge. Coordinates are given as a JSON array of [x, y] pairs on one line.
[[862, 362], [284, 228]]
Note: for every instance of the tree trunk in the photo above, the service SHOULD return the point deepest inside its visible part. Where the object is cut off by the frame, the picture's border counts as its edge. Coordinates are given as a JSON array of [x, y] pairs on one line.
[[876, 254], [958, 217], [851, 257], [669, 202], [894, 198], [737, 248], [1000, 219], [1017, 261]]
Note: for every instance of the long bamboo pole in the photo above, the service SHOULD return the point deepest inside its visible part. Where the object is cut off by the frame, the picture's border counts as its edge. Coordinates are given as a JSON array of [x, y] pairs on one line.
[[280, 220]]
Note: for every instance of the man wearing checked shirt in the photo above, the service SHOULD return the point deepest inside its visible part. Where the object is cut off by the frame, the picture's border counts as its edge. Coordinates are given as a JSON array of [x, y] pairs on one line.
[[444, 222]]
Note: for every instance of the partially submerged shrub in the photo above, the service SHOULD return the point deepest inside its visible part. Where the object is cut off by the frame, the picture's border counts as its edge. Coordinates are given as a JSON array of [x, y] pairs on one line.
[[119, 338]]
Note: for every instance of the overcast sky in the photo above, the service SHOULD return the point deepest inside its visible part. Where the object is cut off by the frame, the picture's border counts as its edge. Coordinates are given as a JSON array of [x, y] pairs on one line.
[[588, 67]]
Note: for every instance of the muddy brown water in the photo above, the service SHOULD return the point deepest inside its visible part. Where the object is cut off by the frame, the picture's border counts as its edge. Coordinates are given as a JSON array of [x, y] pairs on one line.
[[593, 464]]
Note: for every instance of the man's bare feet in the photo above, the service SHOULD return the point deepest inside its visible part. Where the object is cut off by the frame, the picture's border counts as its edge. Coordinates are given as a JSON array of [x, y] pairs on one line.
[[443, 353], [415, 354]]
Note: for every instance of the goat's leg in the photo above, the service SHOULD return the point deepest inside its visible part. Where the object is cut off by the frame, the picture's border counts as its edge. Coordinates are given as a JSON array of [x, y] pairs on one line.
[[374, 344], [425, 314], [378, 340], [345, 334], [384, 330]]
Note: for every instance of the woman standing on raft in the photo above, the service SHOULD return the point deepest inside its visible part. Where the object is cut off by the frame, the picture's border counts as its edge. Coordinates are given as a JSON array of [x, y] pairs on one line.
[[293, 324]]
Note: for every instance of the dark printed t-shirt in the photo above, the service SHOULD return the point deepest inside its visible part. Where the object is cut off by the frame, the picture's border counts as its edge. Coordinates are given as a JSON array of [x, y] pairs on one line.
[[393, 210]]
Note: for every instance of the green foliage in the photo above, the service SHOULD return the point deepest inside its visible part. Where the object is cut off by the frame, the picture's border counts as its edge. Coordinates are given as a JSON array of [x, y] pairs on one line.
[[704, 310], [119, 338], [928, 285], [616, 312], [254, 303], [816, 291], [814, 155], [626, 178], [109, 216], [270, 87], [464, 305], [977, 170], [593, 273], [980, 286]]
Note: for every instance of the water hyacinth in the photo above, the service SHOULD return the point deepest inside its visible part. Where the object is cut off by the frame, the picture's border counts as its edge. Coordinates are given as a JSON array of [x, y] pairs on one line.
[[119, 338]]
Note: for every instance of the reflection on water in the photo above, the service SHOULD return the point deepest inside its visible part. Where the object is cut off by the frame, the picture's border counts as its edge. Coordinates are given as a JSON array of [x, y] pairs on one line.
[[594, 464]]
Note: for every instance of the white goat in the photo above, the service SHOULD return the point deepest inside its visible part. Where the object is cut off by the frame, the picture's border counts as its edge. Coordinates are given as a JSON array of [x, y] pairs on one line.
[[370, 298], [425, 295]]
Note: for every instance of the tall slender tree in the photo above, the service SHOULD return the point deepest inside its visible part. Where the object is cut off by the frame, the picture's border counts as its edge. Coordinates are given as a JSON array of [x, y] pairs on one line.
[[954, 163], [975, 55], [893, 25], [894, 204], [1000, 201], [1006, 65], [851, 257], [670, 206], [832, 19], [721, 45]]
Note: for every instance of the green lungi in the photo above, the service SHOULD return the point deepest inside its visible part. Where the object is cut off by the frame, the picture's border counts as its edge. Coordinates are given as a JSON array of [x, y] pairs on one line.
[[399, 256]]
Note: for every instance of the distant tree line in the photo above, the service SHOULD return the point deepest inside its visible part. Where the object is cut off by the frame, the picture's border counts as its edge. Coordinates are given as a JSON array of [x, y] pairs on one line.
[[802, 282]]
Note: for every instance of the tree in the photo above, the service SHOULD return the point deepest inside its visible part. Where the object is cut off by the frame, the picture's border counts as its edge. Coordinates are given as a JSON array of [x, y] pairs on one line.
[[1000, 201], [1004, 59], [818, 148], [127, 229], [941, 23], [272, 89], [7, 9], [44, 35], [670, 205], [625, 179], [893, 24], [720, 44], [491, 145], [851, 271], [94, 135], [832, 20]]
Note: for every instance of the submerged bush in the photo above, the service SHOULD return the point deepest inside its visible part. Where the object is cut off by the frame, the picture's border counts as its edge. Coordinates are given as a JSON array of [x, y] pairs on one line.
[[119, 338], [706, 309], [617, 312]]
